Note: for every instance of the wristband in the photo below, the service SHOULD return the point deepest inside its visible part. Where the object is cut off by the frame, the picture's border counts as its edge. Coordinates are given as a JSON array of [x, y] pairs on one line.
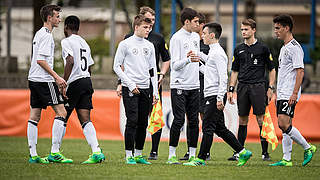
[[231, 89], [272, 88]]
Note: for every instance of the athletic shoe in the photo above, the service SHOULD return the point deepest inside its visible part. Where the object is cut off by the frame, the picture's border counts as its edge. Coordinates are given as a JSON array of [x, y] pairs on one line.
[[234, 157], [130, 160], [38, 159], [308, 154], [244, 156], [153, 156], [282, 162], [185, 157], [96, 157], [266, 157], [141, 160], [195, 162], [208, 157], [58, 158], [191, 158], [173, 160]]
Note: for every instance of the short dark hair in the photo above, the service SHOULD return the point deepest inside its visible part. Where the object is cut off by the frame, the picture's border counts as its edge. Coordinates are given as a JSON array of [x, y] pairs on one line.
[[47, 10], [188, 14], [202, 18], [145, 9], [250, 22], [138, 19], [215, 28], [284, 20], [72, 23]]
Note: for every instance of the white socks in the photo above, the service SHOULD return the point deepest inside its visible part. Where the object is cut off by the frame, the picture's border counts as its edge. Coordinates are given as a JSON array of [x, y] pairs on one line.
[[128, 153], [286, 146], [172, 151], [137, 152], [298, 138], [57, 132], [32, 134], [90, 134], [192, 152]]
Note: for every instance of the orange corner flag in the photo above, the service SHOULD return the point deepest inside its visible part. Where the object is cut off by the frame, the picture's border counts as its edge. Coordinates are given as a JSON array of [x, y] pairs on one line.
[[156, 118], [268, 131]]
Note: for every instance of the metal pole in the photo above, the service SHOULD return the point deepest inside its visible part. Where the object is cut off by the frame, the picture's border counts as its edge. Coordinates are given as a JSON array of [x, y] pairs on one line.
[[173, 17], [217, 10], [9, 3], [313, 23], [234, 19], [158, 10], [113, 28]]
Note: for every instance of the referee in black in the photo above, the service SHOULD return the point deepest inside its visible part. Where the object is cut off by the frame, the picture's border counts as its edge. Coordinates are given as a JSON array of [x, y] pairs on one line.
[[249, 66], [161, 49]]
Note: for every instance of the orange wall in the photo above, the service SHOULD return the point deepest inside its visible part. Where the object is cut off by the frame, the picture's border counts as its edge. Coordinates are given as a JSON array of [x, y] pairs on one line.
[[14, 113]]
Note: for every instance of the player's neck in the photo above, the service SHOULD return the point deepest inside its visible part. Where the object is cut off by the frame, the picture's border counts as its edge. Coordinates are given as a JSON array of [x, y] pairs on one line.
[[250, 41], [288, 38], [47, 25], [186, 28]]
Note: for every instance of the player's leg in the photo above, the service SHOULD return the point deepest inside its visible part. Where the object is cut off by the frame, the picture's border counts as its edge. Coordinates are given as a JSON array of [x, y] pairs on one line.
[[178, 101], [142, 124], [130, 102], [192, 112]]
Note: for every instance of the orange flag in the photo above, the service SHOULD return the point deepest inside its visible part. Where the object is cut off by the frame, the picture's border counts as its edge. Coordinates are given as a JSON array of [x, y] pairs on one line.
[[156, 118], [268, 131]]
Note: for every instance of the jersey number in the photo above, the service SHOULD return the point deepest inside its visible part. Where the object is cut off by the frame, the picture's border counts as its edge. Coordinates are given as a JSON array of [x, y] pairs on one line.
[[84, 66]]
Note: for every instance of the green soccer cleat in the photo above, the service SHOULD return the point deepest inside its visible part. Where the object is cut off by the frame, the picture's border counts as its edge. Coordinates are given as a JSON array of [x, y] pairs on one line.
[[195, 162], [141, 160], [282, 162], [38, 159], [173, 160], [58, 158], [244, 156], [96, 157], [191, 158], [130, 160], [308, 154]]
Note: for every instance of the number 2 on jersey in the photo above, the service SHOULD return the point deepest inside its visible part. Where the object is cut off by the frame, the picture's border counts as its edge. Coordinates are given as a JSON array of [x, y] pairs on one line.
[[83, 58]]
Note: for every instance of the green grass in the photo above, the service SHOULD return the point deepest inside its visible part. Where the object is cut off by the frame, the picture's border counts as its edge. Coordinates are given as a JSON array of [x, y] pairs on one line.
[[14, 155]]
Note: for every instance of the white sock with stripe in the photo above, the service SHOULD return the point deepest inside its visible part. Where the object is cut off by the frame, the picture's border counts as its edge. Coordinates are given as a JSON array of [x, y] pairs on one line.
[[32, 134], [192, 151], [286, 146], [172, 151], [90, 133], [57, 132], [298, 138]]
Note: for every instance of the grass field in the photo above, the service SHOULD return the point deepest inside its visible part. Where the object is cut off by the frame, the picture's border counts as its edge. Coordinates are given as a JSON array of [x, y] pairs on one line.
[[14, 154]]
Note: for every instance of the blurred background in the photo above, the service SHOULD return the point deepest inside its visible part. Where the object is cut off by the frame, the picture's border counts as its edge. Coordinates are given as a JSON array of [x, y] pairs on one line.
[[104, 23]]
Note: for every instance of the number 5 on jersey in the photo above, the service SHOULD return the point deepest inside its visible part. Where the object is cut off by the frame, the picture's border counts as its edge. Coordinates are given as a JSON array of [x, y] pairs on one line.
[[84, 64]]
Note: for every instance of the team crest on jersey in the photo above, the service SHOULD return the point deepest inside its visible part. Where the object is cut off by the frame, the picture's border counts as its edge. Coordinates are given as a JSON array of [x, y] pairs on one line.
[[179, 91], [286, 53], [145, 51], [255, 61], [195, 44], [185, 45], [130, 94], [135, 51]]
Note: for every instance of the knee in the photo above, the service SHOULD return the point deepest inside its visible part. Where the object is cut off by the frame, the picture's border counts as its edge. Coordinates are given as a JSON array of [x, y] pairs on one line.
[[243, 120]]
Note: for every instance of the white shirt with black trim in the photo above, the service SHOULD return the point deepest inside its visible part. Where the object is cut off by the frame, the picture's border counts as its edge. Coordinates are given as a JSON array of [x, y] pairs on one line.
[[290, 59], [137, 55], [215, 72], [184, 73], [78, 48], [42, 49]]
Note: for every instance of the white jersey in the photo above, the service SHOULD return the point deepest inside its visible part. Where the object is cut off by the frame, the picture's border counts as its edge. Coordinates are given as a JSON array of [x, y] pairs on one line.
[[290, 58], [78, 48], [216, 72], [42, 49], [184, 73], [137, 55]]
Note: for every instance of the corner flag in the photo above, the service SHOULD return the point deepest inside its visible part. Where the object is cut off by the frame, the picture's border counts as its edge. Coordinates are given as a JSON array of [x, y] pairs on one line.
[[268, 131], [156, 118]]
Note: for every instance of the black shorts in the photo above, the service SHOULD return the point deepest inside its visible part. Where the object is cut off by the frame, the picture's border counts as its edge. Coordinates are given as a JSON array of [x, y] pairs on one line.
[[201, 95], [284, 108], [251, 95], [43, 94], [79, 94]]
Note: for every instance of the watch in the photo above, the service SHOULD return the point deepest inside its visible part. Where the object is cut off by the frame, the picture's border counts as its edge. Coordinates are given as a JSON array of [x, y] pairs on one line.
[[272, 88]]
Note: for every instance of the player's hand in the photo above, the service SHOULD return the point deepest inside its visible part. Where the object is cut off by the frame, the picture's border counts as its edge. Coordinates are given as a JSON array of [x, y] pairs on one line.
[[119, 90], [189, 53], [61, 83], [154, 101], [230, 97], [64, 93], [269, 95], [293, 99], [220, 105], [161, 77], [194, 57], [135, 91]]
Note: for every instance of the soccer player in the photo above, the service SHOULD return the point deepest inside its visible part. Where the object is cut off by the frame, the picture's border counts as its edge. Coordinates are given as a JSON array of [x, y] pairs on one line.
[[204, 49], [137, 55], [160, 50], [290, 75], [184, 83], [44, 85], [77, 58], [215, 88], [249, 62]]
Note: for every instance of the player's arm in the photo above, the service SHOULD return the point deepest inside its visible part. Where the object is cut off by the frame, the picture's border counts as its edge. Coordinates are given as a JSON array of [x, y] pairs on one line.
[[177, 63], [271, 88], [165, 59], [153, 75], [299, 77], [68, 67], [222, 68], [119, 86], [234, 76], [59, 80]]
